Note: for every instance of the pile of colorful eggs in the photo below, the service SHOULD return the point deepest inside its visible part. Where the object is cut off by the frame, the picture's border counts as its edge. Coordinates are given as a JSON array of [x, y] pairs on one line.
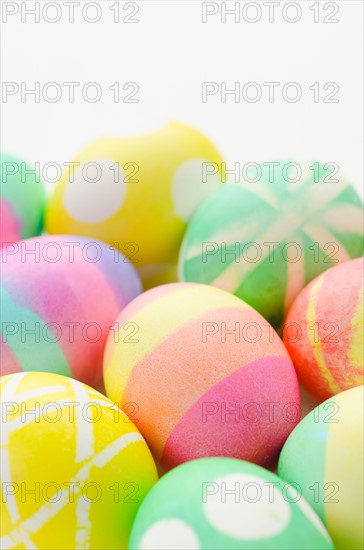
[[252, 312]]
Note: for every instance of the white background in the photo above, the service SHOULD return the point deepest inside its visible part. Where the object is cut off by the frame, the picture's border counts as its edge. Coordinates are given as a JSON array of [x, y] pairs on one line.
[[169, 53]]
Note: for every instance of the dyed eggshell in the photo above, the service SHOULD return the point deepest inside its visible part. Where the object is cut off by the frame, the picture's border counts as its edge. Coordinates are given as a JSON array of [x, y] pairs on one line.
[[264, 241], [22, 200], [193, 388], [60, 295], [145, 191], [324, 331], [220, 503], [324, 455], [81, 456]]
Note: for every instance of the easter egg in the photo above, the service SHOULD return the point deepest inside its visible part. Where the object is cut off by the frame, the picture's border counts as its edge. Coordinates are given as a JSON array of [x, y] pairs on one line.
[[74, 467], [22, 200], [60, 296], [265, 238], [225, 503], [201, 373], [324, 331], [324, 455], [138, 194]]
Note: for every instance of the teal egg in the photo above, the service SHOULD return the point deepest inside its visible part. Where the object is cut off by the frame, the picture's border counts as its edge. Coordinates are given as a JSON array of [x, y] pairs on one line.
[[22, 200], [225, 503], [324, 454], [266, 237]]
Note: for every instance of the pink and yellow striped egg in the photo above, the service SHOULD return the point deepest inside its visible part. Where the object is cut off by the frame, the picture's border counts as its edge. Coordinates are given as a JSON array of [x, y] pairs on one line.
[[201, 373], [324, 331]]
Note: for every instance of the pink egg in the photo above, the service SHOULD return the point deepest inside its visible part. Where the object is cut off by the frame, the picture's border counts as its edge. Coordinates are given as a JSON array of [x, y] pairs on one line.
[[324, 331], [60, 296]]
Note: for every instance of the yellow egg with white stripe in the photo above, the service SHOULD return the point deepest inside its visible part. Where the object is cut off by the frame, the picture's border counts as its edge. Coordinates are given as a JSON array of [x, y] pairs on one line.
[[74, 467]]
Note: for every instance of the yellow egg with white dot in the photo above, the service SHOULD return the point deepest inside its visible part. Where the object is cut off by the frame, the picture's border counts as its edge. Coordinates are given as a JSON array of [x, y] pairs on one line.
[[138, 194], [74, 467]]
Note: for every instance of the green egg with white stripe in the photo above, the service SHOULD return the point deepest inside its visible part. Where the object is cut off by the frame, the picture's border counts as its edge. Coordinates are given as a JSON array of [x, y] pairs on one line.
[[268, 235]]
